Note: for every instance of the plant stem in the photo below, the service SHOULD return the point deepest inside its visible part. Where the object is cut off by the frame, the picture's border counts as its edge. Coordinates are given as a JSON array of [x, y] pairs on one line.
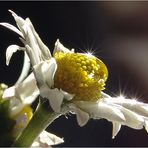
[[42, 117]]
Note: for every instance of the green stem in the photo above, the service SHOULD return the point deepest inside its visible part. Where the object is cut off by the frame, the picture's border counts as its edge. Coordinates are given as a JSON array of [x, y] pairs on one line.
[[42, 117]]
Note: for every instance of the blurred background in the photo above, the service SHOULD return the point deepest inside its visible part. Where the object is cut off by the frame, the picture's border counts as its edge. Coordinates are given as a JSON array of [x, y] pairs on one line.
[[117, 33]]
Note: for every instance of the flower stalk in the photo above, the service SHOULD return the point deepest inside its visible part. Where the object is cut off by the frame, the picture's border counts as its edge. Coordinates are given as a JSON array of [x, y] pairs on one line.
[[43, 117]]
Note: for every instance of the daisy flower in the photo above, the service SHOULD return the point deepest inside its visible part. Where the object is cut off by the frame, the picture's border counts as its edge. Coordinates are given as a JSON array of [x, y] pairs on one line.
[[21, 112], [75, 80]]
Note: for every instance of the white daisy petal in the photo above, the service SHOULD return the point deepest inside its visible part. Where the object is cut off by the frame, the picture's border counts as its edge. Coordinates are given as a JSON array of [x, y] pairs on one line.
[[131, 104], [25, 69], [44, 72], [10, 50], [133, 120], [19, 21], [137, 107], [45, 136], [82, 116], [101, 110], [116, 128], [44, 49], [133, 110], [12, 28], [30, 39], [54, 96], [9, 93], [30, 54], [26, 95]]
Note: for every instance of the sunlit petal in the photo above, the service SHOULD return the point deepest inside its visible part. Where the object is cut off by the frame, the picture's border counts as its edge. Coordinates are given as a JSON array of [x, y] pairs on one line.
[[131, 104]]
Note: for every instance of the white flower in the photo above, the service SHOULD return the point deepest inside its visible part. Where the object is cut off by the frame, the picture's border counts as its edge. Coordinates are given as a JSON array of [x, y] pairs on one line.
[[21, 94], [118, 110], [77, 79], [21, 111], [44, 66]]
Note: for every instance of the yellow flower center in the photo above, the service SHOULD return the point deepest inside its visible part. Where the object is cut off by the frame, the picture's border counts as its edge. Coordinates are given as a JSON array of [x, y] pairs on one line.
[[22, 119], [81, 74]]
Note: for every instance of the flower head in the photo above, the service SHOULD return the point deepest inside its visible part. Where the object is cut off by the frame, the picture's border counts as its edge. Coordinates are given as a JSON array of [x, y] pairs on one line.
[[20, 114], [81, 74], [76, 80]]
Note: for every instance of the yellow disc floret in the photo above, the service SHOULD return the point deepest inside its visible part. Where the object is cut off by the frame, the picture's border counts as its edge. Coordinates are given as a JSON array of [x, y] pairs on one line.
[[81, 74], [22, 119]]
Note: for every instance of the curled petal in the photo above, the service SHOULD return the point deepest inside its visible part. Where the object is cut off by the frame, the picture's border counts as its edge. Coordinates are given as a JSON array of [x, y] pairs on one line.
[[25, 69], [10, 50], [44, 72], [116, 129], [31, 55]]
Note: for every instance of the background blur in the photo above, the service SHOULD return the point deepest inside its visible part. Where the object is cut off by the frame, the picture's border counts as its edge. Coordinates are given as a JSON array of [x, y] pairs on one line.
[[117, 32]]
